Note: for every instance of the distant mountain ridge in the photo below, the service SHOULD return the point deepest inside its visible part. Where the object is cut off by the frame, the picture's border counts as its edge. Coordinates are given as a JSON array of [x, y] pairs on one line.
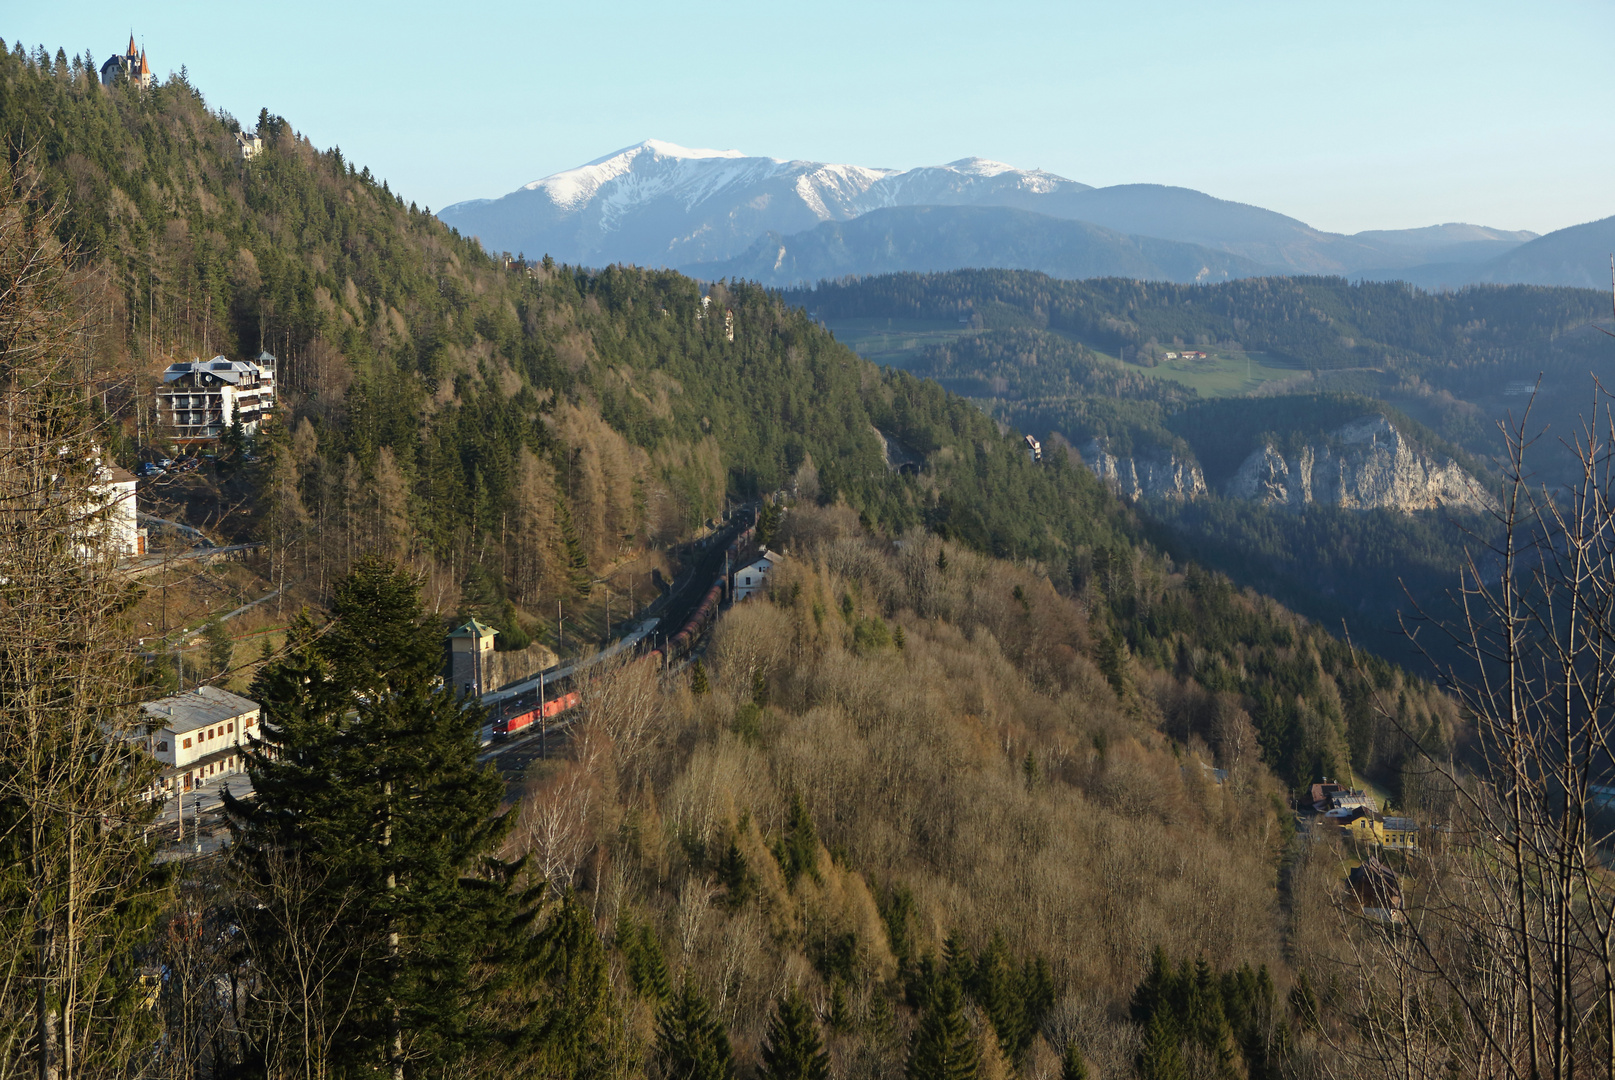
[[660, 204], [931, 238]]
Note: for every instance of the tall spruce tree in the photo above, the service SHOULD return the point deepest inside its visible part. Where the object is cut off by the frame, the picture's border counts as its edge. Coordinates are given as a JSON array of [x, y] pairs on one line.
[[794, 1050], [943, 1048], [691, 1043], [372, 835]]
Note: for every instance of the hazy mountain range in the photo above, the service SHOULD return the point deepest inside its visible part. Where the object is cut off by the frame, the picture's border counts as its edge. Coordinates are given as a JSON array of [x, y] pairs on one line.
[[716, 213]]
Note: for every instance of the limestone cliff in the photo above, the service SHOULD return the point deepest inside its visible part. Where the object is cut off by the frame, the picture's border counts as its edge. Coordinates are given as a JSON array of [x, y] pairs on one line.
[[1366, 464], [1156, 475]]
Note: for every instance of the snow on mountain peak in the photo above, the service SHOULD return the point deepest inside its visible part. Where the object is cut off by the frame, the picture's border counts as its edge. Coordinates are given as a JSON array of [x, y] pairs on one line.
[[674, 150], [573, 188], [979, 166]]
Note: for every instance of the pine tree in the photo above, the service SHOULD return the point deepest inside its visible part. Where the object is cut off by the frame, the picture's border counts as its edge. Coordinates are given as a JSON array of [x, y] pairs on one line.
[[768, 524], [691, 1043], [580, 1033], [798, 850], [942, 1047], [794, 1050], [1073, 1066], [647, 967], [699, 683], [577, 560], [371, 807], [220, 649], [1161, 1057], [734, 875], [942, 560]]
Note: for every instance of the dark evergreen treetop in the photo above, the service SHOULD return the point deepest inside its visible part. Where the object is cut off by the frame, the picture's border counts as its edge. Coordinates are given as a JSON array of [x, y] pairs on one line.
[[943, 1047], [794, 1049], [691, 1043]]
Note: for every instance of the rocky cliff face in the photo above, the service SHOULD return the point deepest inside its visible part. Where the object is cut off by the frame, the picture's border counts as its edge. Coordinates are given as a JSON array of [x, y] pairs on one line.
[[1365, 465], [1149, 476]]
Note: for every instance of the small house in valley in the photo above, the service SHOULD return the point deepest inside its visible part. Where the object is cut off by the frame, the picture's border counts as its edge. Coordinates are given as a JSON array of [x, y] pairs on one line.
[[470, 657], [1376, 891]]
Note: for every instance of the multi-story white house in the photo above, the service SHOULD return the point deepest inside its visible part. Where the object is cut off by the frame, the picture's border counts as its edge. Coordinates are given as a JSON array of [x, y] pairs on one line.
[[199, 400], [198, 736], [118, 527]]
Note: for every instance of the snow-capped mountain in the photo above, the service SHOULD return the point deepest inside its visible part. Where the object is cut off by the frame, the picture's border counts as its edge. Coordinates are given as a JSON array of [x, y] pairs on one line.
[[658, 204], [665, 205]]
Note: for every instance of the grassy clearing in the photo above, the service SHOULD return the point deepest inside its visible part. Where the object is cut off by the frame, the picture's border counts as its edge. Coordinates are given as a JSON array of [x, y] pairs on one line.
[[1220, 374], [896, 342], [893, 341]]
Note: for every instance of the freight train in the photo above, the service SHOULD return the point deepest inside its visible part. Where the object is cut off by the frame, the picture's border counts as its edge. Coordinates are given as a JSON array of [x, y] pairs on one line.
[[517, 719], [678, 644]]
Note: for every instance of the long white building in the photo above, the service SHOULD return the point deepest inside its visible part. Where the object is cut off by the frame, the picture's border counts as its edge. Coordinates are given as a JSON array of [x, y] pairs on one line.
[[198, 736]]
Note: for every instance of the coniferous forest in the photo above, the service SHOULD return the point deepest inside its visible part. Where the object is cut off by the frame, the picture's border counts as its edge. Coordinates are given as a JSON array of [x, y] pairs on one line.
[[998, 777]]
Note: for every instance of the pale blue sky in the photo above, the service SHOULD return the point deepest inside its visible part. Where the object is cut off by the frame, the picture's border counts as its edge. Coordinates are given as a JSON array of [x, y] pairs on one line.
[[1349, 116]]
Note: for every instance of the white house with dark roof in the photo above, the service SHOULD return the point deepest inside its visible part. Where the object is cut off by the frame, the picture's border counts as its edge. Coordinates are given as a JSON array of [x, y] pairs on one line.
[[198, 736], [750, 579]]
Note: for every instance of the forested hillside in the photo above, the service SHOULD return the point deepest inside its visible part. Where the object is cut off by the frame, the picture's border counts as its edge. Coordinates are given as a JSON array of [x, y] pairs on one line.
[[512, 430], [1083, 360], [987, 783], [1317, 323]]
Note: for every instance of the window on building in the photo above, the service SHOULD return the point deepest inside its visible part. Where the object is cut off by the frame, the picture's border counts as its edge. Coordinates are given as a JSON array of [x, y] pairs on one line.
[[230, 726], [187, 744], [162, 747], [250, 720]]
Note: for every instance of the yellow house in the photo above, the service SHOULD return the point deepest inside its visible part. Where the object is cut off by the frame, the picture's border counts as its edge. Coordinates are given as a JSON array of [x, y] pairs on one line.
[[1401, 832], [1367, 826]]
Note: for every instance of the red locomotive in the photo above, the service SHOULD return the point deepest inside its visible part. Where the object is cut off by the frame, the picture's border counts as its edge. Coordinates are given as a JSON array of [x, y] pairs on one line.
[[510, 725]]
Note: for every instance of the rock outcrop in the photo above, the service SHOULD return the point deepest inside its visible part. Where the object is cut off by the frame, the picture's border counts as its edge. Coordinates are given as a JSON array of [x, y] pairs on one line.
[[1367, 464], [1162, 475]]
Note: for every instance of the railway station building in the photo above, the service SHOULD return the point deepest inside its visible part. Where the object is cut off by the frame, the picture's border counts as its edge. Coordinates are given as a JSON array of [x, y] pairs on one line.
[[198, 736]]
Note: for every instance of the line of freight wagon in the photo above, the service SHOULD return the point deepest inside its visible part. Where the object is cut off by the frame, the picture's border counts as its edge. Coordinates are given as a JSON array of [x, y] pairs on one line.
[[674, 648]]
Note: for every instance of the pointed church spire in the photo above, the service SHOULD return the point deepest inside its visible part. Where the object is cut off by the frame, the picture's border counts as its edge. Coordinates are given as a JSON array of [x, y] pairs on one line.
[[131, 53], [145, 72]]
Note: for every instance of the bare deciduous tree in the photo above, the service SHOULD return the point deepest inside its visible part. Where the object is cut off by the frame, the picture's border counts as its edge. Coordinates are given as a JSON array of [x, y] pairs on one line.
[[74, 860]]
